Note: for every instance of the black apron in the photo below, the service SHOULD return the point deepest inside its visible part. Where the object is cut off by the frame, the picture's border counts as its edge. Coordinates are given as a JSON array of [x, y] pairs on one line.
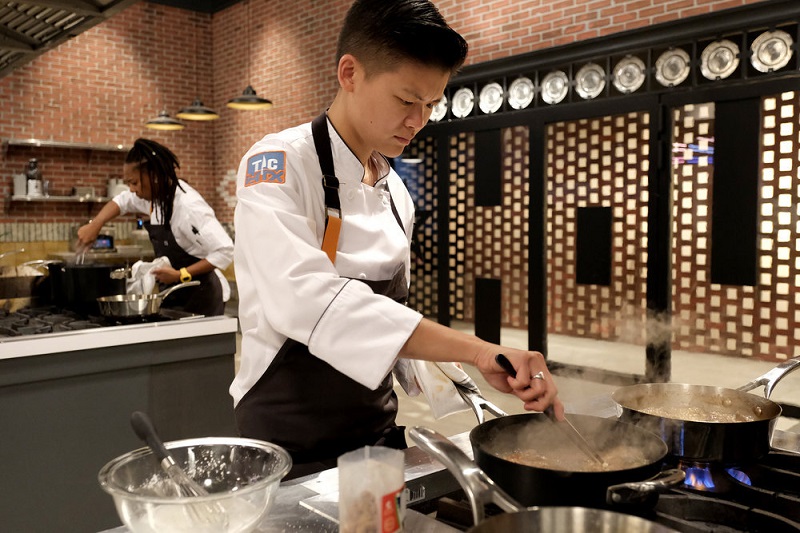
[[204, 299], [311, 409]]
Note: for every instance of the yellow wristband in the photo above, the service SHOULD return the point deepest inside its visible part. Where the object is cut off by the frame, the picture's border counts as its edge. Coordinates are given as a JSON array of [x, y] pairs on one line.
[[185, 276]]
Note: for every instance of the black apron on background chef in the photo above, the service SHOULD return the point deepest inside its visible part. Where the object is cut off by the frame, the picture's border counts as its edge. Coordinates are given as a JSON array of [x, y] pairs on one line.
[[204, 299], [304, 404]]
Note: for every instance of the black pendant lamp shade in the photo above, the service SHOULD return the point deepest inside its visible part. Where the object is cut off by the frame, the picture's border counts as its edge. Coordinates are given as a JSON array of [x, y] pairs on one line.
[[197, 111], [249, 100], [164, 122]]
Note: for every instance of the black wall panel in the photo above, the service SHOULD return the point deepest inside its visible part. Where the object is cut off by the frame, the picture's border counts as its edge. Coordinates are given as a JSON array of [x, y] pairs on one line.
[[734, 208], [488, 167], [488, 300], [593, 246]]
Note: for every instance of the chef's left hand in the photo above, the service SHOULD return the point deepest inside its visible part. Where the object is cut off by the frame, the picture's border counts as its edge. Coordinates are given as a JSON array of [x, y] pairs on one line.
[[166, 275], [537, 393]]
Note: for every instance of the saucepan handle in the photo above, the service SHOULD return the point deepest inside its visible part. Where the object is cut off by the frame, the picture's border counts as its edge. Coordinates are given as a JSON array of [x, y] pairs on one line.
[[771, 378], [479, 487], [166, 292], [639, 491]]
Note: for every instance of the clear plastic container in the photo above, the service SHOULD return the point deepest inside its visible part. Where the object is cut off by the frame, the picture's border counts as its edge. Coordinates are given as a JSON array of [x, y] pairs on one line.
[[371, 490]]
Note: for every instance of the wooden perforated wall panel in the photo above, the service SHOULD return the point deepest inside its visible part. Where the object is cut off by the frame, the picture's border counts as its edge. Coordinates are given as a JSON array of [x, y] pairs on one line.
[[601, 162], [490, 241], [759, 321]]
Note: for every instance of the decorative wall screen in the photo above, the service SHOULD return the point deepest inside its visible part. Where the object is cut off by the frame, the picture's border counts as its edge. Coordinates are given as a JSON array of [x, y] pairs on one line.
[[760, 321], [491, 241], [599, 162], [420, 179]]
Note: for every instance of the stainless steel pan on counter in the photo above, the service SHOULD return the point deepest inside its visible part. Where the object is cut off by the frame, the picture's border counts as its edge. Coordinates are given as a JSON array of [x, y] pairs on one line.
[[137, 305], [705, 423], [482, 489]]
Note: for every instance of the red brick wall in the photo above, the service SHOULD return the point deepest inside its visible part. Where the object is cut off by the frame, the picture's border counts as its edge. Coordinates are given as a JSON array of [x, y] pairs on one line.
[[103, 85]]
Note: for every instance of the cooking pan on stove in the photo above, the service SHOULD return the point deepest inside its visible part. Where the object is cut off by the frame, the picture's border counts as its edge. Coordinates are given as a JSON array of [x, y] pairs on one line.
[[539, 465], [481, 489], [137, 305], [704, 423]]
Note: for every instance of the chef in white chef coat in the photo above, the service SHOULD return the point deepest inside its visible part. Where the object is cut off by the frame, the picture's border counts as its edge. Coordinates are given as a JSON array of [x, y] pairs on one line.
[[182, 227], [323, 230]]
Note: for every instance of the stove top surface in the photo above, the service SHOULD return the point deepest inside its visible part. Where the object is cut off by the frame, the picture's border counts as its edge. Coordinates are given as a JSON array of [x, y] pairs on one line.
[[52, 319]]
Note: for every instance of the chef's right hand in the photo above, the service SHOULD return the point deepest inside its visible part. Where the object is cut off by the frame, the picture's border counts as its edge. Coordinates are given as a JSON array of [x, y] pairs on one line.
[[87, 234], [533, 383]]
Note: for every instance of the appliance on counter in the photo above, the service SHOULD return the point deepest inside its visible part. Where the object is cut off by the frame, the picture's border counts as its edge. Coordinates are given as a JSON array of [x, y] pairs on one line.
[[103, 243], [33, 175], [116, 186]]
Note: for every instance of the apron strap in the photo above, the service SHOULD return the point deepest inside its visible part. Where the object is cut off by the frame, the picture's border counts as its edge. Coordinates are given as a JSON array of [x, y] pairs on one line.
[[330, 185]]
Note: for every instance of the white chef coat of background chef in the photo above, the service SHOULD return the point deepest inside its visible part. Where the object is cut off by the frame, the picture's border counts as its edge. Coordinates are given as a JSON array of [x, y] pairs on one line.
[[288, 288], [189, 210]]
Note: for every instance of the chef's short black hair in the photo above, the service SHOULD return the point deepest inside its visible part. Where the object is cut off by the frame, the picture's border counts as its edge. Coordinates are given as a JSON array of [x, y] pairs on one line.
[[381, 33], [159, 164]]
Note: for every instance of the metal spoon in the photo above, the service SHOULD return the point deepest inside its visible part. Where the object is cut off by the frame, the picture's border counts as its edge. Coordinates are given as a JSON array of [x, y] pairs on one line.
[[568, 429]]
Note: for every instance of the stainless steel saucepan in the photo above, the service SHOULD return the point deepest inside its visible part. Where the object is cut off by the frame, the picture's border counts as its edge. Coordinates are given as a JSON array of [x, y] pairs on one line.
[[137, 305], [705, 423]]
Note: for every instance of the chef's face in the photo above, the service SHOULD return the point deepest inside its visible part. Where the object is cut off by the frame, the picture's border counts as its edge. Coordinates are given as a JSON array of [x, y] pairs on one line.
[[394, 105], [137, 180]]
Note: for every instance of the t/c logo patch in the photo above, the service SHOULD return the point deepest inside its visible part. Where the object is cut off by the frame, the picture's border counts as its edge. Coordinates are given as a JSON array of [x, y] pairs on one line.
[[266, 167]]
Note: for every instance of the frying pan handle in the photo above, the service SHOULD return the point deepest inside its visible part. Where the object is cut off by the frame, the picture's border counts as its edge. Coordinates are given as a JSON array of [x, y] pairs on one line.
[[166, 292], [478, 487], [771, 378], [639, 491]]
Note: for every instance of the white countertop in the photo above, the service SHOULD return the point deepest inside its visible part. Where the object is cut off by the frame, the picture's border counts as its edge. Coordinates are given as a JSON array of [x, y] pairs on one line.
[[69, 341]]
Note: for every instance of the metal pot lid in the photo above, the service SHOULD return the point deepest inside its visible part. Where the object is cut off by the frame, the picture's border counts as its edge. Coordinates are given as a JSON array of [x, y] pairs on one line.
[[555, 87], [463, 102], [590, 81], [439, 110], [771, 50], [491, 98], [672, 67], [629, 74], [719, 59], [520, 93]]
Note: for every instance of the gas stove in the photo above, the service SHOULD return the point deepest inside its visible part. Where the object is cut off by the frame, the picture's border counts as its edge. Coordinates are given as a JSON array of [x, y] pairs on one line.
[[761, 496], [53, 319]]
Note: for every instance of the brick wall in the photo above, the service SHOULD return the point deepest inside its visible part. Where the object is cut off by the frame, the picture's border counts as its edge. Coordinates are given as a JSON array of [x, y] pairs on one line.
[[103, 85]]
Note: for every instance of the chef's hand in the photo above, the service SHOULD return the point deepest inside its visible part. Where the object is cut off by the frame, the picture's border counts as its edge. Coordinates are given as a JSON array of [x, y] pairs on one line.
[[166, 275], [87, 234], [537, 393]]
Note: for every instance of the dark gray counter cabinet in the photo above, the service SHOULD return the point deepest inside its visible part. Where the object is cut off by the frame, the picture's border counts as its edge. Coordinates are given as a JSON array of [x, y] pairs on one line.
[[65, 403]]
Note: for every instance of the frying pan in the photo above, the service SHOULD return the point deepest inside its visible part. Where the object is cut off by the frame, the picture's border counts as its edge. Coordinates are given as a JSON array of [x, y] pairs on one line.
[[704, 423], [481, 489], [137, 305], [559, 473]]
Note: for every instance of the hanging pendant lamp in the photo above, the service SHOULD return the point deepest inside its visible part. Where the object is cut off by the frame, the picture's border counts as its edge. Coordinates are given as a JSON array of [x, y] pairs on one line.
[[249, 101], [164, 122], [197, 111]]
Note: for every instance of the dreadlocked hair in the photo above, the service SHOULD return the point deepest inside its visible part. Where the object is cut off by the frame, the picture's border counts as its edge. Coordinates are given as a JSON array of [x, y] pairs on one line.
[[159, 163]]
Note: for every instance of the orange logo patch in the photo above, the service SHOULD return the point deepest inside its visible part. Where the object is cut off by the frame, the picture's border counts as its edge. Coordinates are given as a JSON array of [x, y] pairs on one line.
[[266, 167]]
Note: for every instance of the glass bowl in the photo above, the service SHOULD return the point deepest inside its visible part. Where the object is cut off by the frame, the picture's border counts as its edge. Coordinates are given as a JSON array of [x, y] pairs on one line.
[[240, 475]]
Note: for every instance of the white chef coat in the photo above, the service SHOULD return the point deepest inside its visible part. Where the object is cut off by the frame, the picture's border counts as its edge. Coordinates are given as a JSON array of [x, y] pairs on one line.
[[288, 288], [189, 212]]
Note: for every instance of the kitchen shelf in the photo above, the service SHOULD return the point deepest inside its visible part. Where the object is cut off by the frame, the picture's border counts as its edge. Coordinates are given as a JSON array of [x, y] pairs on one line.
[[72, 199], [64, 144]]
